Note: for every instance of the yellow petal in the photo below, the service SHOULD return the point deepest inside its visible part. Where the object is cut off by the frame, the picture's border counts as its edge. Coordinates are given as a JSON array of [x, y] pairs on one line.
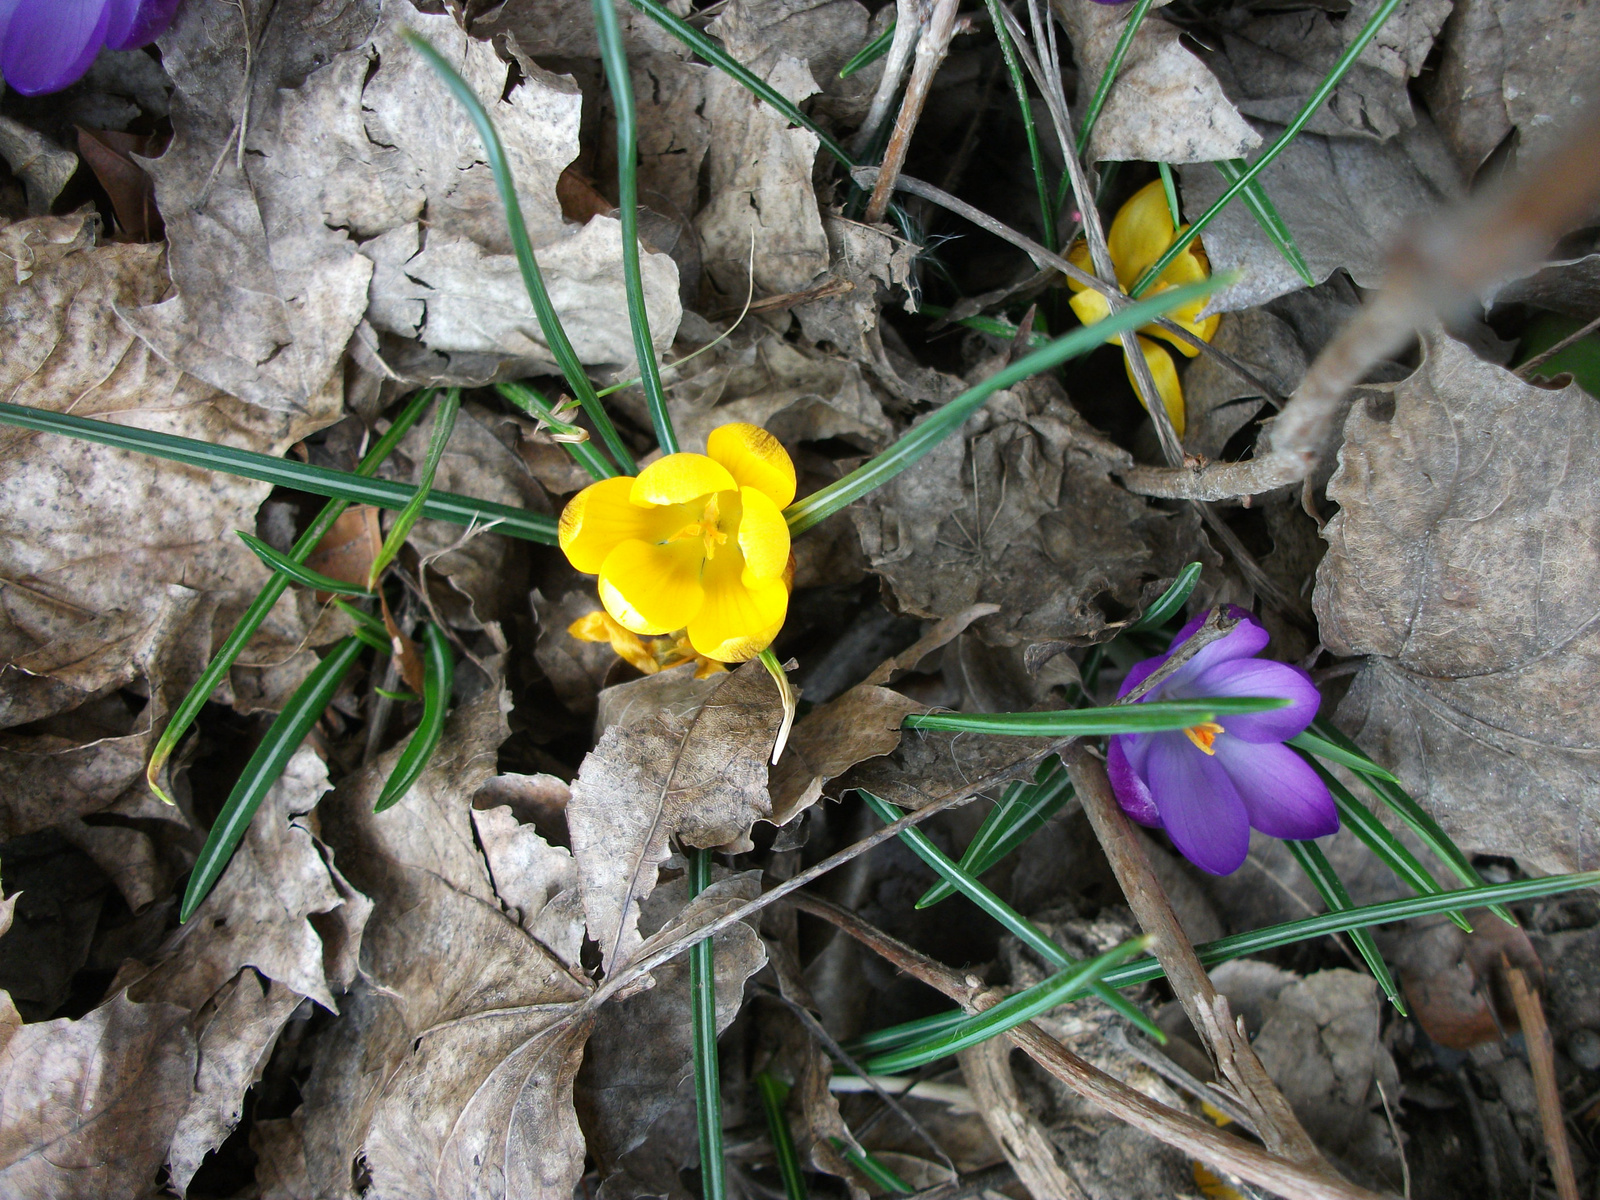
[[600, 517], [755, 459], [1189, 267], [1078, 256], [653, 589], [763, 537], [1166, 377], [1140, 233], [737, 622], [678, 478], [1090, 306], [601, 626]]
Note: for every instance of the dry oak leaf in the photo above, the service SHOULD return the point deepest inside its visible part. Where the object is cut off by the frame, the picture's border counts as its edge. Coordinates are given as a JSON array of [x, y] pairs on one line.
[[1165, 106], [1019, 513], [696, 770], [640, 1054], [1345, 200], [449, 1073], [1462, 562]]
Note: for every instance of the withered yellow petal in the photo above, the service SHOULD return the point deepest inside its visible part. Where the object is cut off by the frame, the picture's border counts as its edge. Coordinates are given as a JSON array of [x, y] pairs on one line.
[[755, 459], [1140, 233], [652, 589], [737, 622], [600, 626], [1166, 377], [600, 517], [678, 478], [763, 536]]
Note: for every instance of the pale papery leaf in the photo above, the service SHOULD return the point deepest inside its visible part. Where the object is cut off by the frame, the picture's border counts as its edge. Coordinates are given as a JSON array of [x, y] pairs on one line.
[[1462, 561]]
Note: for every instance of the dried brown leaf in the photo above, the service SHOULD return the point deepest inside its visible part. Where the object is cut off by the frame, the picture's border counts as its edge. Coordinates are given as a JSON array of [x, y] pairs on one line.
[[1462, 562], [1019, 514], [1165, 106], [699, 775], [450, 1072]]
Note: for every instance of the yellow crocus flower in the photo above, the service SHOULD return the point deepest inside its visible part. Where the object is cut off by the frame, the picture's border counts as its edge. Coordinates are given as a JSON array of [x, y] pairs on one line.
[[696, 542], [1139, 235], [662, 654]]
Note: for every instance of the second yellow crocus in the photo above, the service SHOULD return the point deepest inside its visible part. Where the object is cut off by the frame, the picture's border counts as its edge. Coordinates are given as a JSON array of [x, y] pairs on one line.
[[1140, 234]]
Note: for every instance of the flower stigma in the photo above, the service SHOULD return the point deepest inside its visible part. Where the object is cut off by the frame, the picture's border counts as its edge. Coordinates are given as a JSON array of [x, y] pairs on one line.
[[1204, 734]]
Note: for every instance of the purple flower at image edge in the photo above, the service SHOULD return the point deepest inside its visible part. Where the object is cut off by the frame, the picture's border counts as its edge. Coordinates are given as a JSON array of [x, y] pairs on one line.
[[1208, 785], [47, 45]]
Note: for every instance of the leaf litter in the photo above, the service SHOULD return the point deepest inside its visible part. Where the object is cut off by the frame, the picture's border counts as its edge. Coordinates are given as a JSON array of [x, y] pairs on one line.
[[276, 222]]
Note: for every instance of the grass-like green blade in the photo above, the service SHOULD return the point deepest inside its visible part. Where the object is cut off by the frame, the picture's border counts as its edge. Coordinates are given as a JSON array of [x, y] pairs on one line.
[[285, 472], [1332, 752], [1408, 810], [368, 627], [615, 60], [993, 326], [585, 453], [1019, 85], [1023, 810], [265, 767], [707, 1074], [1171, 602], [774, 1093], [868, 54], [1013, 922], [1153, 717], [1332, 890], [1290, 132], [1008, 1014], [1390, 850], [438, 678], [1258, 941], [276, 560], [870, 1166], [1266, 215], [933, 429], [245, 628], [555, 335], [1169, 188], [712, 51], [444, 423], [1113, 65]]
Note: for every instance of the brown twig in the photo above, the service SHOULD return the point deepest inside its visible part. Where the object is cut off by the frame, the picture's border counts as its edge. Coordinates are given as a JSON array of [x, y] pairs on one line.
[[1193, 1137], [1527, 369], [910, 17], [932, 46], [1236, 1059], [987, 1069], [1542, 1061], [1115, 296], [1441, 266]]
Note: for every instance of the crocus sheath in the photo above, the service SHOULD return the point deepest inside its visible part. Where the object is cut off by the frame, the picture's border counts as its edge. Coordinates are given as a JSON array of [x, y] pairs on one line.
[[1209, 785]]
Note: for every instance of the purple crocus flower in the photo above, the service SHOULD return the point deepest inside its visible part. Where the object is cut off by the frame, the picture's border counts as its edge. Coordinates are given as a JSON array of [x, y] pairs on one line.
[[46, 45], [1206, 786]]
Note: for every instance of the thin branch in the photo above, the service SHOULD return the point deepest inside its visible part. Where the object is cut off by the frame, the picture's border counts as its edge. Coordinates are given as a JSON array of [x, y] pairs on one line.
[[1236, 1059], [1542, 1061], [910, 17], [932, 46], [1527, 369], [1196, 1138]]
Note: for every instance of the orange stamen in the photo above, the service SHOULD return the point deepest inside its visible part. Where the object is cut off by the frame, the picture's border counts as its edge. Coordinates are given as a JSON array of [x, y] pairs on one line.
[[1203, 735]]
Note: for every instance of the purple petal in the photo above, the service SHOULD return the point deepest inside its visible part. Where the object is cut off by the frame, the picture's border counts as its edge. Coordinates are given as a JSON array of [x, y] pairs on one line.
[[1130, 788], [49, 45], [1261, 677], [1139, 672], [1200, 807], [137, 23], [1246, 639], [1280, 791]]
